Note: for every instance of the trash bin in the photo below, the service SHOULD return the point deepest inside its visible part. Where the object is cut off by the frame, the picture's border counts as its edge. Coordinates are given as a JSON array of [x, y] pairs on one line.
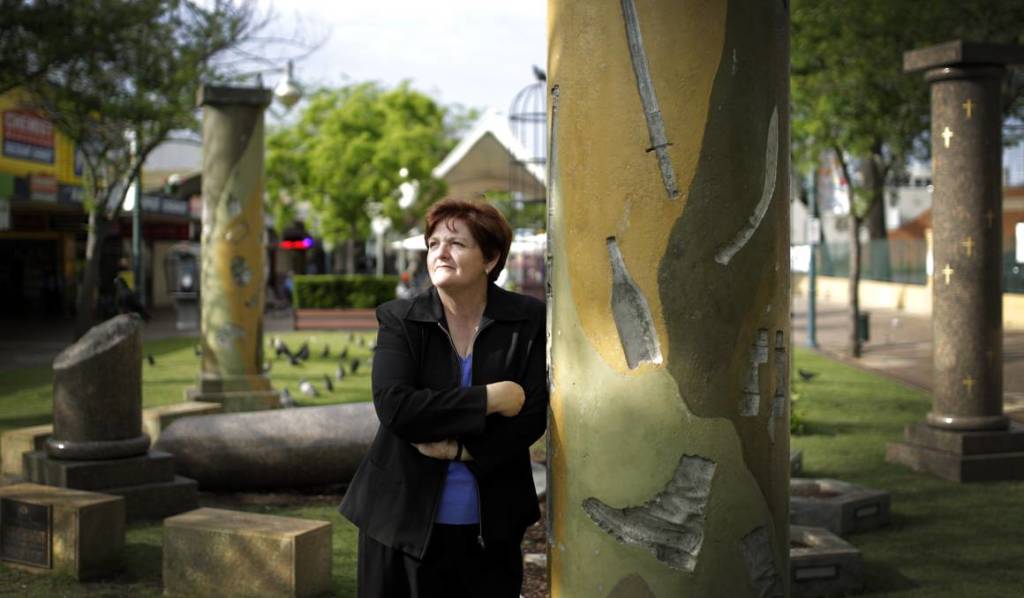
[[182, 268], [864, 326]]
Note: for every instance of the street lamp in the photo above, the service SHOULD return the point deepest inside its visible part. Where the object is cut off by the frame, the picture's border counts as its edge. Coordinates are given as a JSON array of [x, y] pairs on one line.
[[287, 91]]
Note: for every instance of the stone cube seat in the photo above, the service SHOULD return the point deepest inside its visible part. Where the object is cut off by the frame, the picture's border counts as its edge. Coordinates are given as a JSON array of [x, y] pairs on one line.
[[217, 552], [822, 564], [15, 443], [840, 507]]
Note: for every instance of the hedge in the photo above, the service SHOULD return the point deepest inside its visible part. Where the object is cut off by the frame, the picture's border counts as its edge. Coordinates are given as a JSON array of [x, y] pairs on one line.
[[327, 291]]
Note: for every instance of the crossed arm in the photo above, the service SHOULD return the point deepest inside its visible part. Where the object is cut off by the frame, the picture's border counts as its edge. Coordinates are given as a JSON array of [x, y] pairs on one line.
[[489, 421]]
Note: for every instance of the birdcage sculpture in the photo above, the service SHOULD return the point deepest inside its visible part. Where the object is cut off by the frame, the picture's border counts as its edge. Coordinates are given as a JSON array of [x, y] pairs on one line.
[[528, 121]]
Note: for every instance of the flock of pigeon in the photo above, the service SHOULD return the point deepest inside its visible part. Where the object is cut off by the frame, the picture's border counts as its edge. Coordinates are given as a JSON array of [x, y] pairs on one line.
[[346, 366], [281, 349]]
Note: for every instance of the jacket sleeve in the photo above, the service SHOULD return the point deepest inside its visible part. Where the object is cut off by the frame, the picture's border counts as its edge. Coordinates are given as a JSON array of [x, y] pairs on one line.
[[418, 414], [506, 436]]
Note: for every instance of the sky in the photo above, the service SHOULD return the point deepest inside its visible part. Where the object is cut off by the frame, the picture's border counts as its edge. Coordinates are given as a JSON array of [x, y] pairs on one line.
[[477, 53]]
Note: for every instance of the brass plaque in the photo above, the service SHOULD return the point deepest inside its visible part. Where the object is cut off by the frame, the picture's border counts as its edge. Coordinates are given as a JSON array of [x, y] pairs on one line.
[[26, 533]]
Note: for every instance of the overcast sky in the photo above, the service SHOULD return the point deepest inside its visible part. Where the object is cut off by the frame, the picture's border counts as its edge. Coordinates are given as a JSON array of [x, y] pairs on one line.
[[474, 52]]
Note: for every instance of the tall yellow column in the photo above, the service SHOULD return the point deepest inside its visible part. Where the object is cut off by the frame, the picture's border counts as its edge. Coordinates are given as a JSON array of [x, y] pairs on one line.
[[669, 298], [233, 278]]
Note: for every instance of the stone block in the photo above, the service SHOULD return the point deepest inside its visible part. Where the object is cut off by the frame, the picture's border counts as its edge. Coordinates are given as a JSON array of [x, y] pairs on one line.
[[154, 466], [213, 552], [156, 419], [16, 443], [839, 507], [956, 467], [150, 502], [822, 564], [966, 443], [238, 401], [87, 529]]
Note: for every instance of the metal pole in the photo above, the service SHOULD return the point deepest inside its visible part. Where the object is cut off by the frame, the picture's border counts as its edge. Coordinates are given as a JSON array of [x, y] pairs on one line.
[[138, 269], [812, 270]]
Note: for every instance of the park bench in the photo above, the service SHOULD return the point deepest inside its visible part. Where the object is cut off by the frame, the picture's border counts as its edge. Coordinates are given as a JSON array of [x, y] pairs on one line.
[[335, 319]]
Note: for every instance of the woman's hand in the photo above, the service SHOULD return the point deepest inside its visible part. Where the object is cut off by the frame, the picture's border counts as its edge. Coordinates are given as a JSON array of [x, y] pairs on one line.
[[505, 398], [445, 450], [442, 449]]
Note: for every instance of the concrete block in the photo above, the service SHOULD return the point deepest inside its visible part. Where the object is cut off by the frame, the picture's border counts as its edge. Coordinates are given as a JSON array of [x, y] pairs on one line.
[[822, 564], [154, 466], [156, 419], [839, 507], [237, 401], [956, 467], [214, 552], [15, 443], [149, 502], [87, 529]]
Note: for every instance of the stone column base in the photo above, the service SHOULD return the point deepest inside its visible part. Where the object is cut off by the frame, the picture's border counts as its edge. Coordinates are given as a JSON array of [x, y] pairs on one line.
[[238, 400], [147, 483], [961, 456]]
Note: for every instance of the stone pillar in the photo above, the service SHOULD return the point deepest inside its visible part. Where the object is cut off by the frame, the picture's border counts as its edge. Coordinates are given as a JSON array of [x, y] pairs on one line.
[[233, 273], [97, 394], [669, 298], [967, 315]]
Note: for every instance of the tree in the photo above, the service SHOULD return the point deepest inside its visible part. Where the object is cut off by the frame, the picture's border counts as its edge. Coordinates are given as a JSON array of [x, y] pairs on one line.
[[850, 96], [133, 68], [347, 150]]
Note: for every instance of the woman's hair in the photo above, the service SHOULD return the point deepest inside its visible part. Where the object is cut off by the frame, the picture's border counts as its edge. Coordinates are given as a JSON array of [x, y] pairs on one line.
[[489, 228]]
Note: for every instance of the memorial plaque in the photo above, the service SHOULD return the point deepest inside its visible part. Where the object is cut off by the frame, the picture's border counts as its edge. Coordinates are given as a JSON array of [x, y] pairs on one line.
[[26, 532]]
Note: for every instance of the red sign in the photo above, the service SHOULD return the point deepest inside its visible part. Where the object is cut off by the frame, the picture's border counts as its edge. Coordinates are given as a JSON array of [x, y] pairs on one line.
[[28, 136]]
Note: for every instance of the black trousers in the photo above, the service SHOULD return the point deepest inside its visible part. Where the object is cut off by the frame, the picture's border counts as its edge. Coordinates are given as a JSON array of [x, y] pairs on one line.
[[454, 566]]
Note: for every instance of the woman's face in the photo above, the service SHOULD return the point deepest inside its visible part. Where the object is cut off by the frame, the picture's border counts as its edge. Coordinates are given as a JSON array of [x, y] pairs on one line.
[[454, 259]]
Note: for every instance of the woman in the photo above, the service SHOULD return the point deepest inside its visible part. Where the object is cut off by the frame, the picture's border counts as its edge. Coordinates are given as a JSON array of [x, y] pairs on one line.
[[446, 491]]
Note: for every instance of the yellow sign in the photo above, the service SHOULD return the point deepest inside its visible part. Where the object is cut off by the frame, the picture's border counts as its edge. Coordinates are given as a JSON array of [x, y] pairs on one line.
[[31, 145]]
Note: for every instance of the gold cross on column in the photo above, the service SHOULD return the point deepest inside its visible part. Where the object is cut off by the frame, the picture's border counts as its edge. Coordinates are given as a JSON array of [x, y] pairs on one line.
[[968, 107], [947, 272], [969, 385], [946, 136], [969, 246]]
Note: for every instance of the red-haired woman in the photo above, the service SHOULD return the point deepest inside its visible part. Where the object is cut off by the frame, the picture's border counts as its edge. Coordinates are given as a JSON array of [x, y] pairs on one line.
[[446, 491]]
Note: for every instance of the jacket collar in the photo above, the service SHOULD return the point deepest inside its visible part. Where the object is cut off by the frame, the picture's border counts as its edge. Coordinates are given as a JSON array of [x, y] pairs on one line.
[[501, 305]]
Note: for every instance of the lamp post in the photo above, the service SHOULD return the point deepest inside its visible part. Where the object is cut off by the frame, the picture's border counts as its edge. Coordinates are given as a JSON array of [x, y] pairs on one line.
[[813, 236], [380, 225]]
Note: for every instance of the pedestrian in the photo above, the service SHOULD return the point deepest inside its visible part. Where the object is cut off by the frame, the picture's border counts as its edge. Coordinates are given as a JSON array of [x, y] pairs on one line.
[[445, 493]]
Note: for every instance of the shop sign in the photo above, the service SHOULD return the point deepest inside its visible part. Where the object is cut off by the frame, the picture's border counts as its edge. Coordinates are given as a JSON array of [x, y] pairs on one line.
[[42, 187], [174, 207], [28, 137], [150, 203]]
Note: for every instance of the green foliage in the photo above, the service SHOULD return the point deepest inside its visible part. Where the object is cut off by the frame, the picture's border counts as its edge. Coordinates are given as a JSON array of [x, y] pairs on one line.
[[797, 426], [328, 291], [532, 215], [347, 149]]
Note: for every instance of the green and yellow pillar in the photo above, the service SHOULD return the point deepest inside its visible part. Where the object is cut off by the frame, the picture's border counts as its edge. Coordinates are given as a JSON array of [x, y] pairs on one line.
[[233, 278], [669, 298]]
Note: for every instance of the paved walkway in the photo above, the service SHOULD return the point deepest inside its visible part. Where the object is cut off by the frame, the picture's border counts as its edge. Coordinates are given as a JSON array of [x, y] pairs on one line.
[[901, 346], [34, 341]]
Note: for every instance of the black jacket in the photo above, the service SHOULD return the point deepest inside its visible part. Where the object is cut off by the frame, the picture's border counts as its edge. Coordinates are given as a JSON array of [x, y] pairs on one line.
[[394, 495]]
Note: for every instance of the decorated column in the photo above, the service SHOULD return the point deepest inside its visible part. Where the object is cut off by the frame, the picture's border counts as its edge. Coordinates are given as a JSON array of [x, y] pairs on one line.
[[967, 314], [669, 298], [233, 278]]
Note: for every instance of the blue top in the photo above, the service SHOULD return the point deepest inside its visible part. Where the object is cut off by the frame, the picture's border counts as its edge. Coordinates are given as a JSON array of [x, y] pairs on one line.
[[459, 504]]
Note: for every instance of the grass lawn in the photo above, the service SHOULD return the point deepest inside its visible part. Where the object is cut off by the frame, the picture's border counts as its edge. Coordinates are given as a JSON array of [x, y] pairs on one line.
[[945, 539]]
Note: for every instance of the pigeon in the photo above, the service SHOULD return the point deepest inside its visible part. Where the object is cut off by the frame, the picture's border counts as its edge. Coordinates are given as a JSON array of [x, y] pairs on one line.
[[328, 383], [539, 73], [805, 375], [150, 359], [303, 352], [362, 341], [307, 388], [294, 359], [340, 373], [326, 352], [344, 353], [280, 348], [197, 350], [286, 398], [127, 301], [351, 336], [354, 366]]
